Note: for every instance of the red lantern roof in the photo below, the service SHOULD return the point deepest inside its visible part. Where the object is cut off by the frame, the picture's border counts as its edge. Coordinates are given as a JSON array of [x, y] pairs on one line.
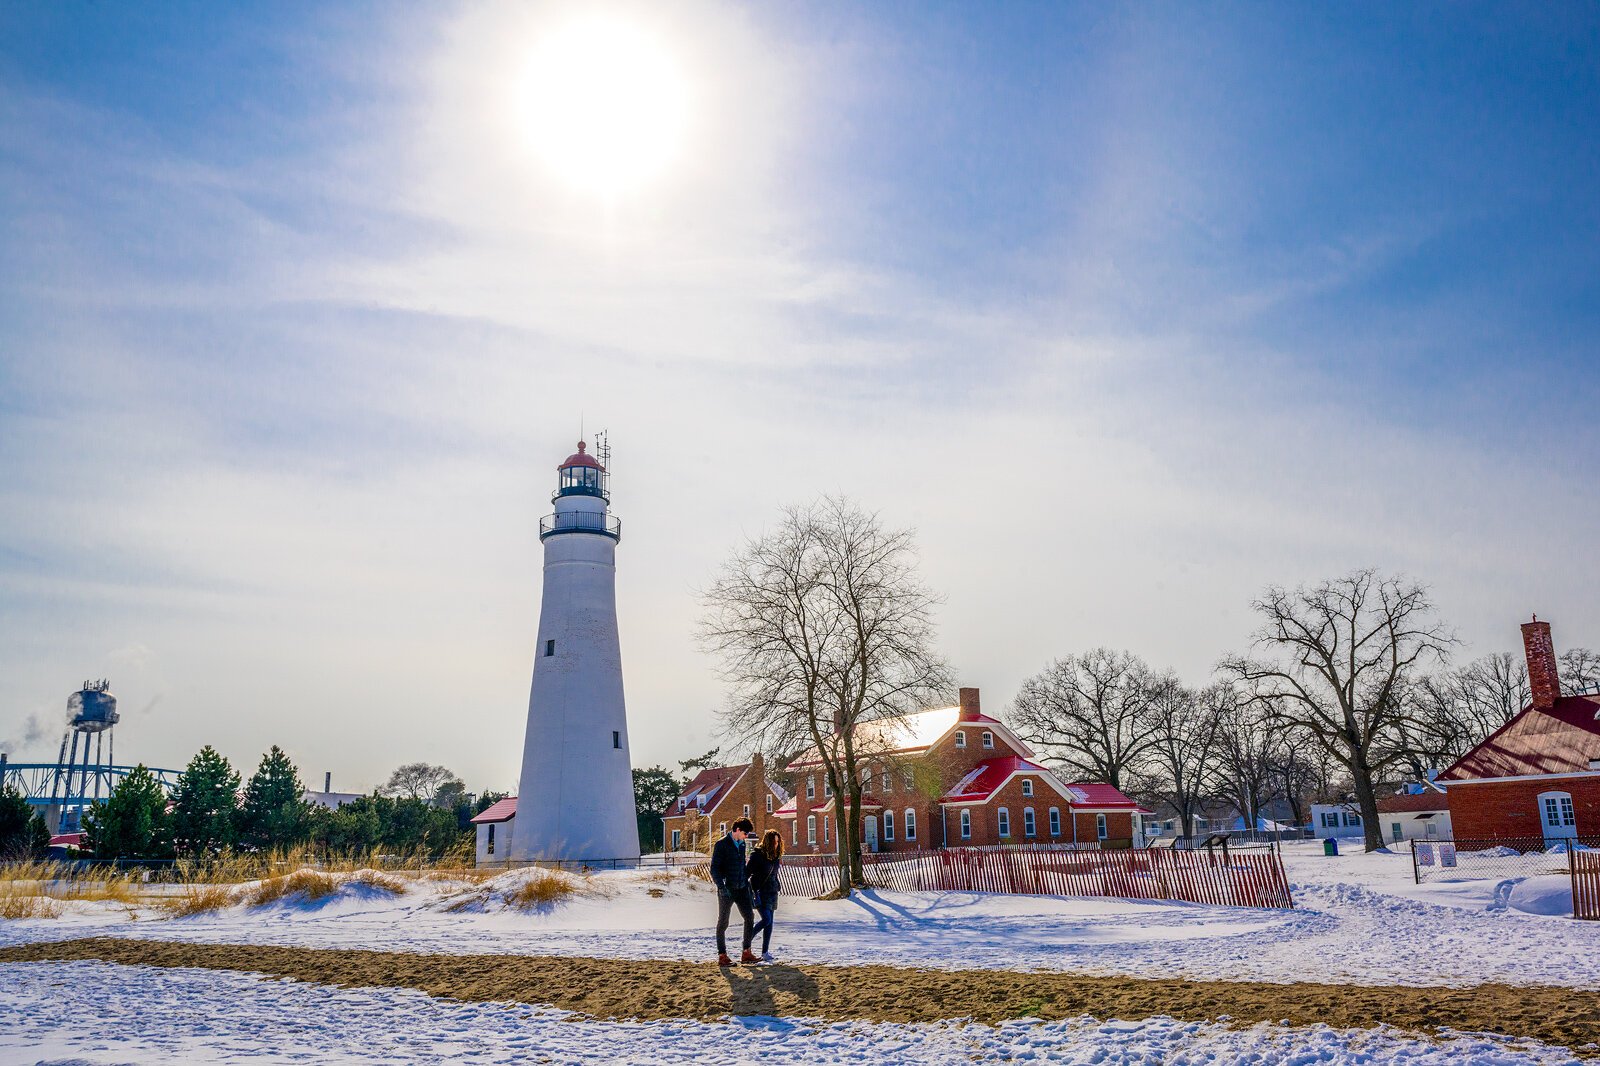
[[580, 458]]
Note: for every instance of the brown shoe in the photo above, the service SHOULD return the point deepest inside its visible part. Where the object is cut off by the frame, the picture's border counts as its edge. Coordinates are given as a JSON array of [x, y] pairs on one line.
[[749, 957], [723, 960]]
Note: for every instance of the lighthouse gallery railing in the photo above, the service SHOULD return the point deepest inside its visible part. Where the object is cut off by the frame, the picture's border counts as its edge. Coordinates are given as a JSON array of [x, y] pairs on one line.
[[580, 522]]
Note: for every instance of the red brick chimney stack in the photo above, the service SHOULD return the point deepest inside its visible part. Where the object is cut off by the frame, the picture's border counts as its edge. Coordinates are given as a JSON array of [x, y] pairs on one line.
[[969, 704], [1541, 652]]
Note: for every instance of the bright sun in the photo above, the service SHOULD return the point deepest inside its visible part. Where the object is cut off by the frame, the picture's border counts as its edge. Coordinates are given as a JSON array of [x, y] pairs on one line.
[[606, 105]]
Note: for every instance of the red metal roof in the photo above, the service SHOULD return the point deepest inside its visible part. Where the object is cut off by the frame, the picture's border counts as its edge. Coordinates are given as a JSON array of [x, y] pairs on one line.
[[66, 840], [502, 811], [711, 786], [1562, 740], [1096, 794], [990, 774], [1403, 804], [580, 458]]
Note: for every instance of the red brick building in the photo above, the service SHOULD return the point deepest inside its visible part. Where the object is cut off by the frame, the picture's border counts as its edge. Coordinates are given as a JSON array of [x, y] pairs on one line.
[[716, 798], [1538, 776], [954, 777]]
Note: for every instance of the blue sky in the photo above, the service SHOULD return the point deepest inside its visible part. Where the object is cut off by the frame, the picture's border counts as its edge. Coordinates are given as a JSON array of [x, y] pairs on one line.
[[1130, 311]]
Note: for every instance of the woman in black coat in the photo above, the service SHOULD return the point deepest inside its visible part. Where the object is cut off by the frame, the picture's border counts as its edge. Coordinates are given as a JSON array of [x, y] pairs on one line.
[[763, 876]]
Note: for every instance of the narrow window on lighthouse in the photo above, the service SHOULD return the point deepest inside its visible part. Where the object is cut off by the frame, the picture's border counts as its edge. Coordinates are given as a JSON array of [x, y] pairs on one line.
[[616, 739], [549, 648]]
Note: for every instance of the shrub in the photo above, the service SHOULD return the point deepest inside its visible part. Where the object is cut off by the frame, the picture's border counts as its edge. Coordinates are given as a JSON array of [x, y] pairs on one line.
[[196, 899], [543, 888], [311, 884]]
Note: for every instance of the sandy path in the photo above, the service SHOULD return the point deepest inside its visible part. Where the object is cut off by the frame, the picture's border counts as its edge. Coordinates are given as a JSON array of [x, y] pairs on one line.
[[622, 988]]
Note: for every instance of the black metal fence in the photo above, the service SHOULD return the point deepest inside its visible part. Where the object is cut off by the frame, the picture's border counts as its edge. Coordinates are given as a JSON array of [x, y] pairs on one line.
[[1466, 859]]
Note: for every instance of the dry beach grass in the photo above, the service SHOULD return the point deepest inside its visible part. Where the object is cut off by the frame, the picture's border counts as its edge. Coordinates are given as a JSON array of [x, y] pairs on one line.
[[619, 988]]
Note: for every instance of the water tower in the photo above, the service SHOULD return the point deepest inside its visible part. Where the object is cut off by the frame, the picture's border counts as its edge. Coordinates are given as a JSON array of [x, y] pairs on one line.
[[91, 714]]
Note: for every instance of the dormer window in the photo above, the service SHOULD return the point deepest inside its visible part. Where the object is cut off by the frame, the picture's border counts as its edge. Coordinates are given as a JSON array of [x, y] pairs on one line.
[[961, 738], [988, 739], [682, 803]]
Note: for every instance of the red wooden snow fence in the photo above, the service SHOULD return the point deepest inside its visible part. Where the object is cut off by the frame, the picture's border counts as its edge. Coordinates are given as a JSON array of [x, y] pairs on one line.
[[1231, 878], [1585, 883]]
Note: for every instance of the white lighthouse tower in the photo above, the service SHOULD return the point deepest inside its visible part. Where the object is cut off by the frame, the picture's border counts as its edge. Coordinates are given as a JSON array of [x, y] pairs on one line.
[[575, 800]]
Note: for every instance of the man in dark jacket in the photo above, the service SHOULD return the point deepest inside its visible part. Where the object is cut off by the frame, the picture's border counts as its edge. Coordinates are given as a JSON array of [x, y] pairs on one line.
[[733, 889]]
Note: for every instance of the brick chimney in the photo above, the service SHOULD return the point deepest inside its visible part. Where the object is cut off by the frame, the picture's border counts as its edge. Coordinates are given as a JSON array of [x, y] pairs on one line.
[[758, 770], [1541, 653], [969, 704]]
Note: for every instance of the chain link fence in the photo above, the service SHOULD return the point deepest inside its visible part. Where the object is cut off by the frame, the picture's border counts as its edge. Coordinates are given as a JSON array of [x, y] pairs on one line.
[[1464, 859]]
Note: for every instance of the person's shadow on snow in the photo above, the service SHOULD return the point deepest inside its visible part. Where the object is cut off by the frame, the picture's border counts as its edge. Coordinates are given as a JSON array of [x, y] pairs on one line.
[[772, 990]]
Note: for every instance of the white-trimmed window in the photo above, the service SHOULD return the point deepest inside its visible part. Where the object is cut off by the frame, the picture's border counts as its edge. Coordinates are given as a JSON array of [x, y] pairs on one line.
[[769, 803], [794, 833], [1351, 818], [988, 739], [1003, 820], [966, 824], [1028, 824], [888, 781], [1100, 826], [811, 786], [1055, 821], [911, 824], [1556, 810], [961, 738], [682, 803], [908, 779], [824, 828], [811, 829], [747, 810], [888, 825], [722, 829], [677, 838], [1027, 787], [1330, 819], [827, 787]]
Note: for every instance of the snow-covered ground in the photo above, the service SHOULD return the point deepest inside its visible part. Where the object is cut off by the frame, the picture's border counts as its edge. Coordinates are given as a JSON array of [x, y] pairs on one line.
[[82, 1013], [1358, 918]]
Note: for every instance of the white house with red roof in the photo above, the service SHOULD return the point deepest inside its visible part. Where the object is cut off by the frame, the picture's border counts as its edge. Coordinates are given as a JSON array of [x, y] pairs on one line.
[[1536, 778], [493, 826], [953, 777]]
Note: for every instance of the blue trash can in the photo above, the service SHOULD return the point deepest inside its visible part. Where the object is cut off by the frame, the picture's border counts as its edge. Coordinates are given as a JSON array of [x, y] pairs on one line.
[[1330, 846]]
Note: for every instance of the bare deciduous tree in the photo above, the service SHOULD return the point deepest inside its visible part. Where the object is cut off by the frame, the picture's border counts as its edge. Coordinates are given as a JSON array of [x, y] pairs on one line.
[[1180, 765], [1336, 659], [1456, 709], [1299, 770], [1094, 714], [423, 781], [823, 626], [1580, 671], [1247, 755]]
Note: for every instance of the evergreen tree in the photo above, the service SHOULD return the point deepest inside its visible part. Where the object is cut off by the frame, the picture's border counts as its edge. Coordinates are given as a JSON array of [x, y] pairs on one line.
[[274, 813], [132, 822], [654, 790], [355, 827], [22, 832], [416, 825], [205, 805]]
